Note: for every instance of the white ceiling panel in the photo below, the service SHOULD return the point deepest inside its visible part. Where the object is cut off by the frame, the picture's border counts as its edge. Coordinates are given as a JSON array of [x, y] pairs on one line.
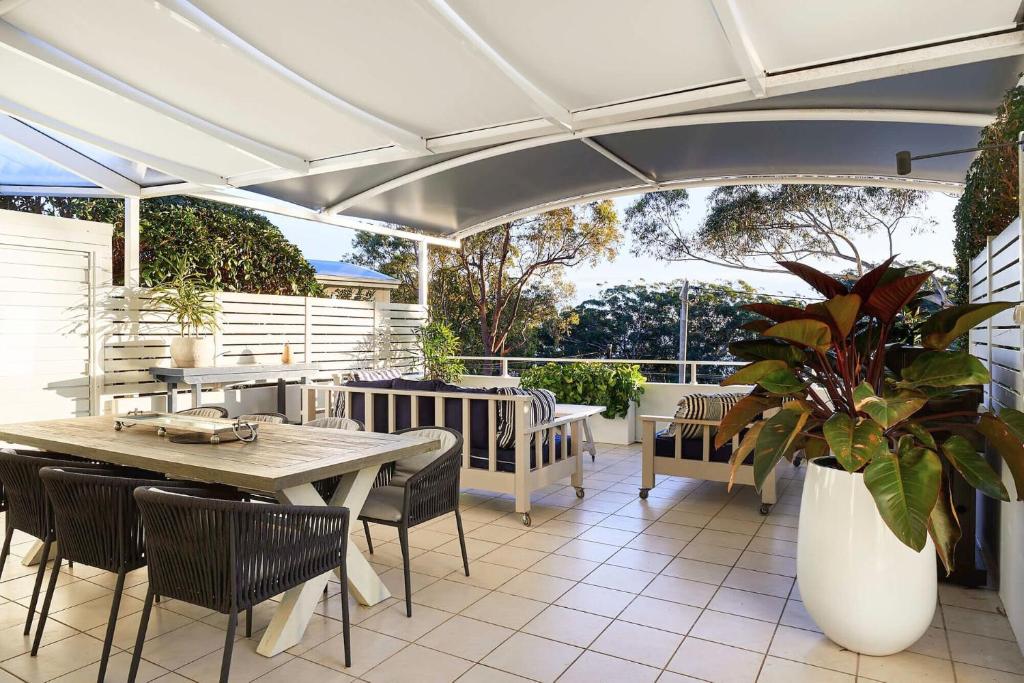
[[157, 51], [586, 53], [793, 33], [79, 104], [389, 57]]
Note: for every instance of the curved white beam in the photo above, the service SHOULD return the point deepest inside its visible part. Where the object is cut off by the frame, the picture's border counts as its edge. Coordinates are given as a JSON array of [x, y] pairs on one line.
[[741, 45], [547, 104], [946, 118], [220, 33], [725, 181], [69, 159], [258, 202], [171, 168], [55, 191], [25, 43]]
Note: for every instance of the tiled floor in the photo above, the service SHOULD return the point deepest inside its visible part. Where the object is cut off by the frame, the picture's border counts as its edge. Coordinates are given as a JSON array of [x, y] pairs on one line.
[[692, 584]]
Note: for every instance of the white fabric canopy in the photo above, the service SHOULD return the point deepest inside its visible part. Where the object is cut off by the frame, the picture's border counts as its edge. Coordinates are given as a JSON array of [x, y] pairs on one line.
[[452, 115]]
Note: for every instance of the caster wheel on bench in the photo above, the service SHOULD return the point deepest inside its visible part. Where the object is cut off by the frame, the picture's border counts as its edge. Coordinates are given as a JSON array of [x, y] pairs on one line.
[[526, 519], [580, 492], [644, 493], [765, 508]]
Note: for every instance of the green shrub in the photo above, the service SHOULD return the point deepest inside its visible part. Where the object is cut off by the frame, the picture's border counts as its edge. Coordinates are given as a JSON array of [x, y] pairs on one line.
[[613, 386], [438, 344]]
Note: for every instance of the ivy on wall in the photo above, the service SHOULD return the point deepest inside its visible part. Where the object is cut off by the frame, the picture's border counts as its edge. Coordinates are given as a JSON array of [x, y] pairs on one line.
[[989, 202]]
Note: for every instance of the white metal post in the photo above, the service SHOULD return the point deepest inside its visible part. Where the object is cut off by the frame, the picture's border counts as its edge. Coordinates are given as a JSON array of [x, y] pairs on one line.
[[132, 205], [684, 313], [423, 256]]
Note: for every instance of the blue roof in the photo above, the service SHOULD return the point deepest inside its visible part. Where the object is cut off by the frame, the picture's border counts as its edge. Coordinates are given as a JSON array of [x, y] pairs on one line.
[[342, 269]]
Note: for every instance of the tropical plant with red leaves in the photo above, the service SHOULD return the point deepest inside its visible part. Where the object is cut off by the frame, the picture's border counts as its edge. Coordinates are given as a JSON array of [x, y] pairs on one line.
[[833, 381]]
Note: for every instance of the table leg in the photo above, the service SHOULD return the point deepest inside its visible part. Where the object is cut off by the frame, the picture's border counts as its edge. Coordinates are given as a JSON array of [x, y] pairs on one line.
[[293, 614], [197, 395], [32, 557], [282, 396], [589, 442], [172, 395]]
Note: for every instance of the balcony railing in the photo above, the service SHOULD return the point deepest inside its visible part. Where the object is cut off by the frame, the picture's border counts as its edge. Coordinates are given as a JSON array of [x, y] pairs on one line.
[[667, 371]]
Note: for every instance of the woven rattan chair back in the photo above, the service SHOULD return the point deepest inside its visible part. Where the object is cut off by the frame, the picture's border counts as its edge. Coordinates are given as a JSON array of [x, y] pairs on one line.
[[229, 555], [337, 423], [95, 516], [204, 411], [433, 490], [28, 509], [272, 418], [327, 487]]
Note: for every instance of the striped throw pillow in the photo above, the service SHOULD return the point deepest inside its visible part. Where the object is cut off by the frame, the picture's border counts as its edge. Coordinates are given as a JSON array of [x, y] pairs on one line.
[[711, 407], [542, 410], [372, 375]]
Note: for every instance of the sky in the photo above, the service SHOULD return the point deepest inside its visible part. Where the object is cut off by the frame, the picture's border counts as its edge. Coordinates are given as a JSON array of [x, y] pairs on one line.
[[320, 241]]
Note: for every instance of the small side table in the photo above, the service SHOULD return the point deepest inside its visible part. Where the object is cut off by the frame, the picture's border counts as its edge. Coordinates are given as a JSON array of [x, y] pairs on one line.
[[575, 409]]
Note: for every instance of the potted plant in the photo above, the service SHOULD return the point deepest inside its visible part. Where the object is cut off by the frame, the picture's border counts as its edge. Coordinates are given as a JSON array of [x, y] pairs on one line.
[[190, 302], [617, 387], [875, 421], [439, 346]]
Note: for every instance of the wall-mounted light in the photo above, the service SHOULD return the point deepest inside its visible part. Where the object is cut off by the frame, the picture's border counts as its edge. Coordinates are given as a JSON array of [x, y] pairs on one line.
[[903, 159]]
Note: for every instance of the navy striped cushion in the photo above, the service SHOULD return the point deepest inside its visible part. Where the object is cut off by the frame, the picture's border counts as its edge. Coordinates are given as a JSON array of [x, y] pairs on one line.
[[711, 407], [542, 411]]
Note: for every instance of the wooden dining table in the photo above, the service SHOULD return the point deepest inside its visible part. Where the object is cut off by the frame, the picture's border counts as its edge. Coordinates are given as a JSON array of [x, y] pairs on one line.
[[283, 461]]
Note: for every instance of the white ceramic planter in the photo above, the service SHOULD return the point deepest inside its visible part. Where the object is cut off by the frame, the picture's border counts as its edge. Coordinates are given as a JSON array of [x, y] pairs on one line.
[[866, 590], [192, 352], [621, 430]]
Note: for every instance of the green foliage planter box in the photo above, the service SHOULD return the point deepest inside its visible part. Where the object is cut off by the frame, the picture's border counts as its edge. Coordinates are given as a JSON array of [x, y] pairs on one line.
[[618, 387]]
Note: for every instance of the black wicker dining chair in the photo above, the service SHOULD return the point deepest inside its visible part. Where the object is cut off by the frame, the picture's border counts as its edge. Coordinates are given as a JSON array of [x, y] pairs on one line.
[[327, 487], [271, 418], [228, 555], [28, 509], [97, 524], [415, 490], [204, 411]]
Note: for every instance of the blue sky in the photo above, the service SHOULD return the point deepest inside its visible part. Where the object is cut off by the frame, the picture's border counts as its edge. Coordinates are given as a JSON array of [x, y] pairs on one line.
[[319, 241]]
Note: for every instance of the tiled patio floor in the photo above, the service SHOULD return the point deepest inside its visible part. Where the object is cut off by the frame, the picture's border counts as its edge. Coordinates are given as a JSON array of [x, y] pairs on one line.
[[691, 585]]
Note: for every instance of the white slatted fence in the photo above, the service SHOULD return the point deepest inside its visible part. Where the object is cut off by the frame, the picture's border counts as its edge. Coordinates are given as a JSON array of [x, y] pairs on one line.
[[338, 334]]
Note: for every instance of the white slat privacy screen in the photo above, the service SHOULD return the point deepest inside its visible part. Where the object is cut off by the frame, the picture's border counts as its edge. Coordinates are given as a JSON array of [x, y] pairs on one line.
[[48, 354], [338, 334], [996, 276]]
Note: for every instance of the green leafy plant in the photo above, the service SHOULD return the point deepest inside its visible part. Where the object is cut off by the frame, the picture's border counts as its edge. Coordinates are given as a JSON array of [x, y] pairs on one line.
[[614, 386], [439, 344], [889, 410], [187, 296]]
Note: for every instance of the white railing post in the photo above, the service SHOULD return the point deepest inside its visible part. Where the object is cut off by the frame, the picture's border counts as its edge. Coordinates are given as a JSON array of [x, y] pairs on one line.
[[504, 367]]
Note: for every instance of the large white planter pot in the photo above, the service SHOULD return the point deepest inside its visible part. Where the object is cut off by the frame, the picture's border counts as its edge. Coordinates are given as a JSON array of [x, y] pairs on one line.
[[192, 352], [866, 590], [621, 430]]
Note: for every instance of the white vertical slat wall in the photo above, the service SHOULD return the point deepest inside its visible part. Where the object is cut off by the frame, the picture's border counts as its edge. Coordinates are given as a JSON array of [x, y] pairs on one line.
[[996, 275], [49, 357], [338, 334]]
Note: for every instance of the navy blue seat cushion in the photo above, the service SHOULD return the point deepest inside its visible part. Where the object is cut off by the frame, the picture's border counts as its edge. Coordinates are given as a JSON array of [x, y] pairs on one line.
[[506, 457], [692, 449]]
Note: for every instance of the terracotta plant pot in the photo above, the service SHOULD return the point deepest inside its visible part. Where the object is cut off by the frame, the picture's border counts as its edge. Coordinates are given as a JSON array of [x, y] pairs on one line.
[[866, 590], [192, 352]]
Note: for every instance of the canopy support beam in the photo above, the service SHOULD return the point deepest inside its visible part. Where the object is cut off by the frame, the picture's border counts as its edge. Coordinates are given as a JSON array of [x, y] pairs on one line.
[[741, 45], [132, 207], [10, 5], [67, 158], [31, 46], [551, 109], [619, 161], [171, 168], [945, 118], [222, 35]]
